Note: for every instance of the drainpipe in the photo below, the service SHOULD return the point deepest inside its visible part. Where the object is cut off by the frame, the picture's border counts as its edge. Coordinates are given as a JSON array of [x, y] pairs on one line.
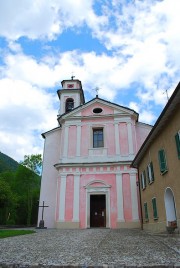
[[141, 214]]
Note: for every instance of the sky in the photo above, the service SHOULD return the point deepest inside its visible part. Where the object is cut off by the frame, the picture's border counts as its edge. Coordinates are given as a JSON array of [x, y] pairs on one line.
[[130, 49]]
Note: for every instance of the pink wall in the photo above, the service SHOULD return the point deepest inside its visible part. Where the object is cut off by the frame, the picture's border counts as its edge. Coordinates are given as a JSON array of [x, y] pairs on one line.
[[69, 198], [142, 131], [110, 138], [72, 141], [123, 139], [89, 110], [127, 197], [58, 197], [85, 136]]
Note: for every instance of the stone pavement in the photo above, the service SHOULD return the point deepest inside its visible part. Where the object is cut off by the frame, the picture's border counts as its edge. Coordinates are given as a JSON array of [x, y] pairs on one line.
[[90, 248]]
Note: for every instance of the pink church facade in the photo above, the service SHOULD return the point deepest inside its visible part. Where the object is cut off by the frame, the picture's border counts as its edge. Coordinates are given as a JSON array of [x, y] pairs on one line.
[[87, 180]]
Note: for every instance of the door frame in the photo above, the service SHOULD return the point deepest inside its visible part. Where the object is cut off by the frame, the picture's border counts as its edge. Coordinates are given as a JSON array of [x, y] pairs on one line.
[[102, 189], [170, 205]]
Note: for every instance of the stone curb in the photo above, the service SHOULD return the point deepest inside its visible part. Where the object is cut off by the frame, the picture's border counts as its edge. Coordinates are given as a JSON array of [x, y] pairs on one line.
[[13, 265]]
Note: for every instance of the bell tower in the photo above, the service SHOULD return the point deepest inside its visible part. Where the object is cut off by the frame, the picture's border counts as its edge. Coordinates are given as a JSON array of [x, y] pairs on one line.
[[71, 95]]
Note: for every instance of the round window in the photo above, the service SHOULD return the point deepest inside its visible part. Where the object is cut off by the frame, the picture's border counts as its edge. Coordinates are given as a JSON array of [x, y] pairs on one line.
[[97, 110]]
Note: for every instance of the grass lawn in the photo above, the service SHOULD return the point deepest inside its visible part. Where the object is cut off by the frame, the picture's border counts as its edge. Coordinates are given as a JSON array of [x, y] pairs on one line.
[[8, 233]]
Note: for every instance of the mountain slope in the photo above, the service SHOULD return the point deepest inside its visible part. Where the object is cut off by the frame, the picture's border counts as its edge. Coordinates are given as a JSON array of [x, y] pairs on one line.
[[7, 163]]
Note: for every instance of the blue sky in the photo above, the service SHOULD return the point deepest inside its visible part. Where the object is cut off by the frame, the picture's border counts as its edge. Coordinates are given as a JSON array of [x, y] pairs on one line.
[[129, 49]]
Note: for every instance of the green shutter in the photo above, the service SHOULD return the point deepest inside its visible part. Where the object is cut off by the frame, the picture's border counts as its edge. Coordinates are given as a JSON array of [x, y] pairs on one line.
[[152, 171], [144, 174], [177, 138], [148, 175], [142, 181], [146, 211], [162, 161], [155, 215]]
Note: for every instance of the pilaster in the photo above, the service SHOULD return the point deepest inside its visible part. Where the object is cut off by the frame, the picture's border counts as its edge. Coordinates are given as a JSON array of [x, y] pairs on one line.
[[134, 197], [62, 198], [120, 210], [76, 199]]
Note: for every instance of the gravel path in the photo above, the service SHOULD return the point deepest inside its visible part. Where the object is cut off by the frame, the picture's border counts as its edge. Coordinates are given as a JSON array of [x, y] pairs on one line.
[[90, 248]]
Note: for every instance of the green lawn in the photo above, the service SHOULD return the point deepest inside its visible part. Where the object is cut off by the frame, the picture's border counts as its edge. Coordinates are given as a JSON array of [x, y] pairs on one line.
[[8, 233]]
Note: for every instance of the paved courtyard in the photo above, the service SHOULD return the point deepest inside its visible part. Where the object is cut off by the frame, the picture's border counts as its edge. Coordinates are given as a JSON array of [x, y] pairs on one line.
[[90, 248]]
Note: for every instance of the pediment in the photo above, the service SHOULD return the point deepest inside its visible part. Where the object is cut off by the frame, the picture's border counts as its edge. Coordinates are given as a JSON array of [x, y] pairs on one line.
[[97, 108], [97, 184]]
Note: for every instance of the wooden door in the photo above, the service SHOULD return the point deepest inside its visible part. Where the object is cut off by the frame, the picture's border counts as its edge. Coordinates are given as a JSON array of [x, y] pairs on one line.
[[97, 211]]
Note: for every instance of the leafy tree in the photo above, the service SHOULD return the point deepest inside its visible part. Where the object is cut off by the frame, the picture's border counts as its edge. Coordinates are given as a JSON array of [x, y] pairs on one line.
[[33, 162], [8, 202], [27, 187], [19, 190]]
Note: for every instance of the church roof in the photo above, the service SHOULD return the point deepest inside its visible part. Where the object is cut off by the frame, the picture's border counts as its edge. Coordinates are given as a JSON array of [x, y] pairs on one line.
[[165, 116]]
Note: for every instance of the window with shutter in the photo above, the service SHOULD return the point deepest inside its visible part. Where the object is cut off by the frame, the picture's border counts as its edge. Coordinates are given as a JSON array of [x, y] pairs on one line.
[[177, 138], [150, 172], [144, 175], [155, 214], [146, 212], [162, 161], [148, 175], [143, 180]]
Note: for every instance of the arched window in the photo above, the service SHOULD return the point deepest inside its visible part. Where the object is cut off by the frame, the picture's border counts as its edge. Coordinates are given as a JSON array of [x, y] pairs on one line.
[[69, 105]]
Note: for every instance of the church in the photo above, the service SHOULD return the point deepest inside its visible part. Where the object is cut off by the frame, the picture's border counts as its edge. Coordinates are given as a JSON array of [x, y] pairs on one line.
[[87, 178]]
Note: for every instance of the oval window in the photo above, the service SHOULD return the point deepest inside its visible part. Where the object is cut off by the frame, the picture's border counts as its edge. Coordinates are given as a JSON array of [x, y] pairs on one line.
[[97, 110]]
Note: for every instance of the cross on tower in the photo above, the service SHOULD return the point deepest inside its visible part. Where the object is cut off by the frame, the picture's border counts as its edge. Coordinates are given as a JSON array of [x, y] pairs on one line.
[[166, 91], [72, 77], [97, 89]]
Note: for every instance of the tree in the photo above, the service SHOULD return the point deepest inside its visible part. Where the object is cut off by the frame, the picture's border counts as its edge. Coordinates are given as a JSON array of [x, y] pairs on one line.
[[8, 203], [27, 187], [33, 162]]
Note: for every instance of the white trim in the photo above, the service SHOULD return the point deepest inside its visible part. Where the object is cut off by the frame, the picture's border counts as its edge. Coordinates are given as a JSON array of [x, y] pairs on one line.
[[117, 139], [62, 198], [76, 199], [100, 157], [120, 209], [78, 141], [66, 134], [134, 197], [130, 138], [104, 185]]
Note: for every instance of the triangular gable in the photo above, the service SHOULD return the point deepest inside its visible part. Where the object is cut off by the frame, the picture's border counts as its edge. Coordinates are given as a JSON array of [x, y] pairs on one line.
[[107, 107]]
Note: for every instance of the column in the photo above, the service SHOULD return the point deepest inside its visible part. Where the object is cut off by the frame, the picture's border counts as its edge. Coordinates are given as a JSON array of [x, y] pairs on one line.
[[117, 138], [78, 143], [134, 197], [62, 198], [66, 133], [120, 210], [76, 199], [130, 138]]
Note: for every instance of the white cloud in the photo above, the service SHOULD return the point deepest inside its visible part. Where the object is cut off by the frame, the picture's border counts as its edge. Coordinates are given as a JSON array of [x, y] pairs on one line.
[[44, 19], [25, 111]]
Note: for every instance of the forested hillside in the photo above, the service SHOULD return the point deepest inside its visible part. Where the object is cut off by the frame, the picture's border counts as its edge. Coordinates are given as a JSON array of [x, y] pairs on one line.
[[19, 190], [7, 163]]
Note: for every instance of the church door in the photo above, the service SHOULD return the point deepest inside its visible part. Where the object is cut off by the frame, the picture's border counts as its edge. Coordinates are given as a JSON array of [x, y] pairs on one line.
[[98, 210]]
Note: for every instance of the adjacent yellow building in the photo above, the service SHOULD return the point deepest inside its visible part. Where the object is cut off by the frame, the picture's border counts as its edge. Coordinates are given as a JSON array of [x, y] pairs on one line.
[[158, 163]]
